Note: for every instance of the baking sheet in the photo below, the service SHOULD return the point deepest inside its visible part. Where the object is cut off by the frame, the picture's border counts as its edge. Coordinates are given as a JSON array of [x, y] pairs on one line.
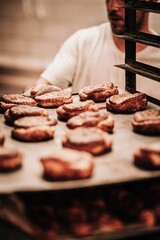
[[113, 167]]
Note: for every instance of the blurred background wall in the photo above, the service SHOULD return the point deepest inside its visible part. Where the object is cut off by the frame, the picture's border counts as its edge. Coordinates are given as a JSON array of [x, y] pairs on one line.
[[32, 31]]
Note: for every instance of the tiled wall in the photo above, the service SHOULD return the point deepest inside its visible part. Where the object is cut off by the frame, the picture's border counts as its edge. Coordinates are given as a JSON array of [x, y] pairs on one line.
[[31, 31]]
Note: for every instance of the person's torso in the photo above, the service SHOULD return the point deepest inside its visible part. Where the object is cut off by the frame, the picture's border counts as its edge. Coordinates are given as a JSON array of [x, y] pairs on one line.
[[98, 55]]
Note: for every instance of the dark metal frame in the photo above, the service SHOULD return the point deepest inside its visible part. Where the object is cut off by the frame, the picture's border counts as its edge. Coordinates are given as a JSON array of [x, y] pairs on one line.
[[131, 66]]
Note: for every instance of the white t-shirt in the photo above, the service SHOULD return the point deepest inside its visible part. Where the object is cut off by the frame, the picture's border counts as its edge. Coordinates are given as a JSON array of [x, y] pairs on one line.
[[88, 58]]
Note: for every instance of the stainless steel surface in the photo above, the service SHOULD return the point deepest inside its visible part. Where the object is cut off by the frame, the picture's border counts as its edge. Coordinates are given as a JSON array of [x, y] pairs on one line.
[[114, 167]]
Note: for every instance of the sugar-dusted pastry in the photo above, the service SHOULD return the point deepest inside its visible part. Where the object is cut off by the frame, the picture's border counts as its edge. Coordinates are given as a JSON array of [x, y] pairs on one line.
[[9, 100], [98, 93], [127, 102], [54, 99], [17, 112], [99, 119], [67, 111], [92, 140]]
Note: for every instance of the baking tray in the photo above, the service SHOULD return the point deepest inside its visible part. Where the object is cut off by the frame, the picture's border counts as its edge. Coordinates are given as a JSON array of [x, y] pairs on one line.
[[110, 168]]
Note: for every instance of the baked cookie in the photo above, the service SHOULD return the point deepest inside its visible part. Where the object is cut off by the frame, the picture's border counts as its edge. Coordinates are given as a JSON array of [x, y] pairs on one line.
[[33, 134], [10, 100], [67, 111], [92, 140], [127, 102], [147, 122], [10, 159], [2, 138], [148, 157], [34, 121], [98, 93], [87, 119], [22, 111], [34, 129], [54, 99], [67, 164]]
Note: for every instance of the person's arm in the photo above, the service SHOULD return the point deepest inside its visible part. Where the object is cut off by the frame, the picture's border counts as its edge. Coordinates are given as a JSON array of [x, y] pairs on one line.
[[60, 72], [38, 86]]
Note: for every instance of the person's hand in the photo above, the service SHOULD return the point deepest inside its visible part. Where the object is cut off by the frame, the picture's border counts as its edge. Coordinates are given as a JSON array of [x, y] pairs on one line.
[[40, 89]]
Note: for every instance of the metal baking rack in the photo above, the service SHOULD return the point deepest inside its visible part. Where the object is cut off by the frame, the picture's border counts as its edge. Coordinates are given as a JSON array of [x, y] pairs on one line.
[[131, 36]]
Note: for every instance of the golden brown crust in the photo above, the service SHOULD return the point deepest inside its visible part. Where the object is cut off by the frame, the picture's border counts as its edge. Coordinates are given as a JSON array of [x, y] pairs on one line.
[[67, 164], [4, 106], [33, 134], [67, 111], [92, 140], [98, 119], [147, 122], [54, 99], [10, 100], [148, 157], [98, 93], [127, 103], [9, 159], [26, 122], [22, 111]]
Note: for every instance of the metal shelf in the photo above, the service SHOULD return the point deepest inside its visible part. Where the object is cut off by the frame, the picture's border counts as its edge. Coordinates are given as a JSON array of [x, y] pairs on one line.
[[142, 5], [141, 69], [144, 38], [132, 36]]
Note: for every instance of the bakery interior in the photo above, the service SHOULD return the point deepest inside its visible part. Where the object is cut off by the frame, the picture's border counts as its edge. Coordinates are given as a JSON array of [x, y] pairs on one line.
[[120, 206]]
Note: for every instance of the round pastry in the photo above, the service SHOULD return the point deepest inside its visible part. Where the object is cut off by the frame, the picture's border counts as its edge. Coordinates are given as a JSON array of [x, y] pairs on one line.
[[98, 93], [34, 129], [148, 157], [2, 138], [67, 111], [22, 111], [92, 140], [26, 122], [54, 99], [67, 164], [87, 119], [10, 100], [10, 159], [33, 134], [127, 102], [147, 122]]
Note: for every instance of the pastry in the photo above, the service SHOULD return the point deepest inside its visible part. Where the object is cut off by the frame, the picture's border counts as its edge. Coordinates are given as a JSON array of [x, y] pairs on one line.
[[10, 159], [67, 164], [87, 119], [23, 111], [10, 100], [67, 111], [147, 122], [92, 140], [98, 93], [148, 157], [127, 102], [34, 129], [54, 99]]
